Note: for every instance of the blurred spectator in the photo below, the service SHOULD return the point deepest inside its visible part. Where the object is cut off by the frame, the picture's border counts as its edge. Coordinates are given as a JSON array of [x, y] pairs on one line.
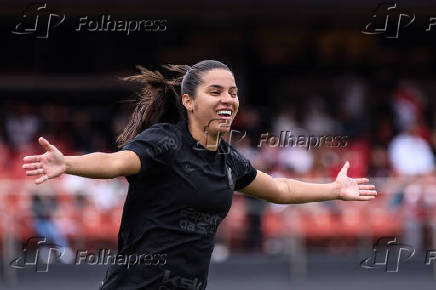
[[408, 105], [410, 154], [105, 196], [254, 209], [43, 207], [416, 203], [253, 206], [248, 120], [82, 132], [354, 108], [317, 121], [384, 132], [298, 159], [21, 126], [379, 163], [354, 99], [285, 120]]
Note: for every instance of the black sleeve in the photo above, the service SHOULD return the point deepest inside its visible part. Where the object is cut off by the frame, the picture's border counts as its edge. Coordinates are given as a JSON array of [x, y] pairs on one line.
[[155, 144], [245, 172]]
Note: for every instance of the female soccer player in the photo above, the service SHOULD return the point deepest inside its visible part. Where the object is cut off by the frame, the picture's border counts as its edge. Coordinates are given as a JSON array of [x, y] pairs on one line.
[[181, 176]]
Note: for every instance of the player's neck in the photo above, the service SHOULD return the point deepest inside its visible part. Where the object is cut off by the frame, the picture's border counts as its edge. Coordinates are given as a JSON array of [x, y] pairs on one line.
[[208, 140]]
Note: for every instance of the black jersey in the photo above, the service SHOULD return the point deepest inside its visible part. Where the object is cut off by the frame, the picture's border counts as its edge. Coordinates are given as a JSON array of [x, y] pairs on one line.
[[173, 208]]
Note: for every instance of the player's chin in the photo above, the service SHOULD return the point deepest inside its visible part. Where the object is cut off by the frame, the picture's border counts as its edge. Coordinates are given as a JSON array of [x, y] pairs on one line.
[[223, 130], [224, 127]]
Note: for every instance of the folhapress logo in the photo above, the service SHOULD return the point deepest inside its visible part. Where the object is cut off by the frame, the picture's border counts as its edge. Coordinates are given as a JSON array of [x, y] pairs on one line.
[[388, 19], [44, 253], [387, 254], [38, 20], [232, 135]]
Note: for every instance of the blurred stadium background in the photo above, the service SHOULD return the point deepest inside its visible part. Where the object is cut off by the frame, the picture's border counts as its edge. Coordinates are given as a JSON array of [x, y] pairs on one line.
[[301, 66]]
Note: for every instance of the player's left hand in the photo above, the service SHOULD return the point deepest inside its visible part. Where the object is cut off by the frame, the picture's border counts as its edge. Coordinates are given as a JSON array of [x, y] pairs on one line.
[[353, 189]]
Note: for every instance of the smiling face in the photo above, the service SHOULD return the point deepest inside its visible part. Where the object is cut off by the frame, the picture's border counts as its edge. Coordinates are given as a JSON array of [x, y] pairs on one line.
[[216, 102]]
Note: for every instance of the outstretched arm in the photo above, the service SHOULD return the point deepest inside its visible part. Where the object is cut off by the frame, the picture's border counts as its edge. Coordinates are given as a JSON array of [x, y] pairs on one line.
[[98, 165], [285, 191]]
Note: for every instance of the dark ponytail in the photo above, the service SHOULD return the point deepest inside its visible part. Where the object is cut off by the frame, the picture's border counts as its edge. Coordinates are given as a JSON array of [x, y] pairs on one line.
[[158, 101], [159, 98]]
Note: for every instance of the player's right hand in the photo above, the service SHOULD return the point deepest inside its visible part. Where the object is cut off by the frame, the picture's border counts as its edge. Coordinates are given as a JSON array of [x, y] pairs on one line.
[[49, 165]]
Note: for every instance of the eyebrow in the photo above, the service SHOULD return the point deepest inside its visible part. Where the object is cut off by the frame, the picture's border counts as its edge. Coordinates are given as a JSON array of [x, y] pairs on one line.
[[220, 87]]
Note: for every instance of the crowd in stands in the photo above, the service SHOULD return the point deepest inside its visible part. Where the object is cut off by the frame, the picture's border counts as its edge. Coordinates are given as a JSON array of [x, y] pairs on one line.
[[390, 140]]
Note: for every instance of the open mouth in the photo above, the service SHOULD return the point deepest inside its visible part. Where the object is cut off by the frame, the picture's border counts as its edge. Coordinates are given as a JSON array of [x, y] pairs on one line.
[[224, 114]]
